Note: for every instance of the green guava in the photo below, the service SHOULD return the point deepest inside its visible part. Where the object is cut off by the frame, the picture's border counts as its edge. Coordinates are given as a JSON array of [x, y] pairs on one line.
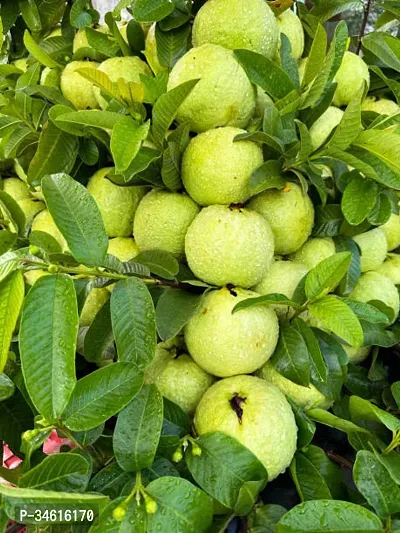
[[216, 170], [262, 101], [117, 204], [307, 397], [226, 344], [290, 214], [236, 24], [383, 106], [290, 24], [150, 50], [392, 231], [22, 64], [95, 300], [373, 247], [178, 377], [129, 68], [16, 188], [43, 221], [324, 125], [162, 220], [356, 355], [30, 208], [51, 77], [255, 413], [216, 100], [375, 286], [75, 88], [315, 250], [391, 268], [31, 276], [123, 248], [350, 77], [229, 245]]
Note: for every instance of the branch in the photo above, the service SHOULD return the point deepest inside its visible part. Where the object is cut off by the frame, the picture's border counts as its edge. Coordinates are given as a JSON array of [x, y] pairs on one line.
[[364, 25], [338, 459]]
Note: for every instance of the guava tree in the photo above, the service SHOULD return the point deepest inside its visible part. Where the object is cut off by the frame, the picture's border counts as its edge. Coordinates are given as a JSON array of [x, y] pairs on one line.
[[199, 268]]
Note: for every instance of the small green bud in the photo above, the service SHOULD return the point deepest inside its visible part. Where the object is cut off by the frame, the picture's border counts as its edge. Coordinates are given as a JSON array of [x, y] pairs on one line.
[[33, 249], [151, 506], [177, 456], [119, 513], [196, 450], [53, 269]]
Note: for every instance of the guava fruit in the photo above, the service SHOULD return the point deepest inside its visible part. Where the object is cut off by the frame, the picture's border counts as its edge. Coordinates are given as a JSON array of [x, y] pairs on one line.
[[375, 286], [178, 377], [373, 247], [229, 245], [391, 268], [31, 276], [16, 188], [237, 24], [383, 106], [216, 170], [313, 251], [215, 100], [290, 24], [392, 231], [324, 125], [162, 220], [356, 355], [50, 77], [307, 397], [22, 64], [95, 300], [350, 77], [117, 204], [290, 214], [282, 277], [129, 68], [150, 50], [254, 412], [43, 221], [77, 89], [226, 344], [123, 248], [262, 101], [31, 208]]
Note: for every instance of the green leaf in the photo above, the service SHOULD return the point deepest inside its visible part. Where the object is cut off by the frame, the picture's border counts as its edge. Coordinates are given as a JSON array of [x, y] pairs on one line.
[[381, 211], [166, 108], [138, 430], [77, 216], [134, 519], [358, 199], [152, 10], [339, 318], [266, 299], [267, 176], [334, 356], [57, 152], [171, 167], [328, 419], [7, 387], [316, 57], [15, 418], [264, 518], [38, 53], [352, 275], [12, 211], [350, 125], [386, 47], [47, 340], [7, 239], [133, 322], [126, 140], [368, 415], [110, 480], [93, 118], [30, 14], [11, 298], [171, 45], [103, 43], [395, 388], [309, 482], [224, 467], [181, 507], [306, 147], [339, 516], [391, 461], [16, 499], [367, 312], [99, 336], [161, 263], [318, 365], [291, 357], [101, 394], [64, 472], [326, 276], [374, 483], [174, 309], [327, 9]]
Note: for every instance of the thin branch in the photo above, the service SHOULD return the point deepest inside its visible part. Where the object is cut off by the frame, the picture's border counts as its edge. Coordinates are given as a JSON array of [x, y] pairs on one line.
[[367, 11], [338, 459]]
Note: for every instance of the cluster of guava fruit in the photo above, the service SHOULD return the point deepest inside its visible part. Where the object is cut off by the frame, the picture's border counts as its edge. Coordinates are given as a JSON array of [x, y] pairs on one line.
[[218, 368]]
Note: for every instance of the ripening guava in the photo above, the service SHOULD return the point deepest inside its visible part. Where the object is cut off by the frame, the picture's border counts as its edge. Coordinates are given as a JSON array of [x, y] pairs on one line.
[[237, 24], [290, 24], [129, 68], [229, 245], [162, 220], [224, 95], [356, 355], [117, 204], [290, 214], [77, 89], [324, 125], [30, 208], [16, 188], [255, 413], [375, 286], [392, 231], [216, 170], [307, 397], [373, 247], [95, 300], [225, 344], [352, 74], [123, 248], [178, 377], [383, 106], [391, 268], [43, 221], [50, 77], [150, 50], [315, 250]]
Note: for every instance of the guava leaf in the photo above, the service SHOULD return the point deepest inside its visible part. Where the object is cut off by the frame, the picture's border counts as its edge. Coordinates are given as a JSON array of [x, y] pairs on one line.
[[174, 309], [367, 312], [318, 365], [134, 519], [11, 210], [11, 298], [152, 10], [335, 357], [171, 45], [325, 276], [99, 336], [385, 46], [264, 518], [358, 199], [161, 263], [30, 14], [267, 176], [316, 57], [309, 482], [381, 211], [353, 273], [395, 388], [368, 415], [126, 139], [328, 220], [38, 53], [266, 299], [291, 357], [328, 419]]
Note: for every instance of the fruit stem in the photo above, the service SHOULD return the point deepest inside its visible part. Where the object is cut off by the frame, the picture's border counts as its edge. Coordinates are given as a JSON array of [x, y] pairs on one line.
[[367, 10]]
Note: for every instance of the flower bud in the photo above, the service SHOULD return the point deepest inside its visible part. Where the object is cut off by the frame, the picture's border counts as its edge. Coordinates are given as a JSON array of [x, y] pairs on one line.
[[119, 513]]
